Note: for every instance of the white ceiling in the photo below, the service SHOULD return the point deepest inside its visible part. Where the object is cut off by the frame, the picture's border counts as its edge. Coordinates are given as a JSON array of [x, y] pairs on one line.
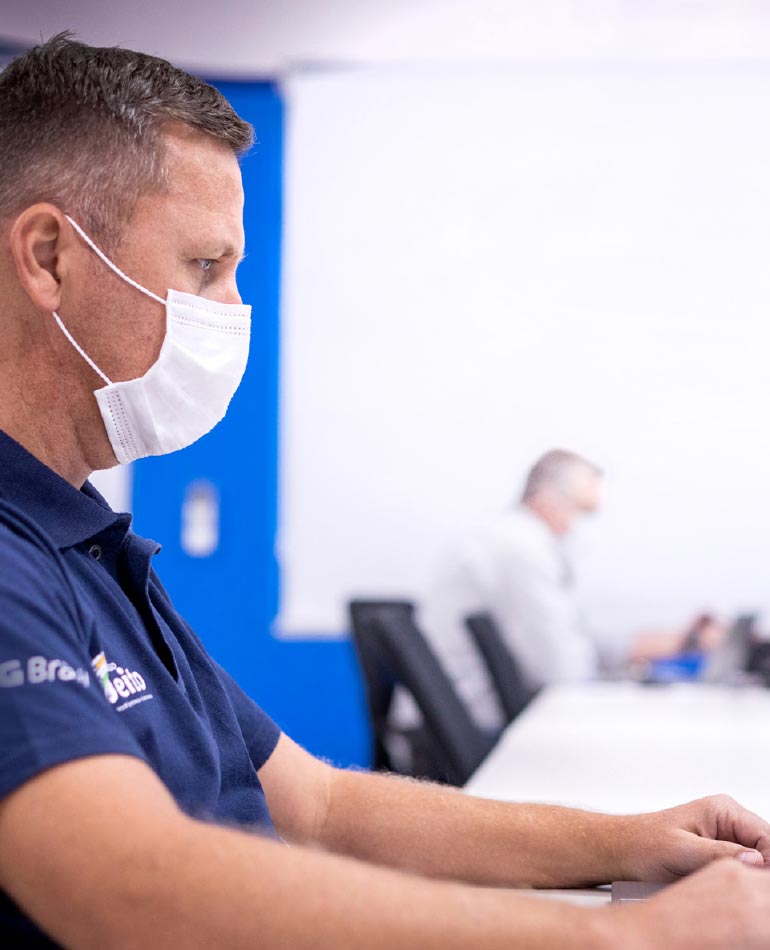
[[270, 37]]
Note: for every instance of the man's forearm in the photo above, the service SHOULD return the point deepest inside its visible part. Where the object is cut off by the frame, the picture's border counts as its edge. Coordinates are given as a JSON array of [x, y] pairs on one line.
[[145, 875], [228, 890], [441, 832]]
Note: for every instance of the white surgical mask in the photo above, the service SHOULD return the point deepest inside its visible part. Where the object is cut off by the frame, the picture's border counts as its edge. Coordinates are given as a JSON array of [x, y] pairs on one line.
[[186, 392]]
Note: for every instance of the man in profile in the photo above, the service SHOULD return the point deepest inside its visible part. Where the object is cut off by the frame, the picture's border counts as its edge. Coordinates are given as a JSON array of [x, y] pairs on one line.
[[516, 567], [145, 801]]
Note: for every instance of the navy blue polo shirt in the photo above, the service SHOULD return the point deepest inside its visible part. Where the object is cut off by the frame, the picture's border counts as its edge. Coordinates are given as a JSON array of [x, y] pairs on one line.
[[95, 660]]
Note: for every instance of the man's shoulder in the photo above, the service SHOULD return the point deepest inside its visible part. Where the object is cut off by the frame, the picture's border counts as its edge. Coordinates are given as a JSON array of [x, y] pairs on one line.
[[518, 531], [16, 525], [27, 553], [512, 542], [37, 598]]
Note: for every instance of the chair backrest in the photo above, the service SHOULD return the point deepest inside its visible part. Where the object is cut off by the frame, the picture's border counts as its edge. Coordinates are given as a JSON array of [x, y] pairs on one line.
[[512, 688], [393, 651], [379, 679]]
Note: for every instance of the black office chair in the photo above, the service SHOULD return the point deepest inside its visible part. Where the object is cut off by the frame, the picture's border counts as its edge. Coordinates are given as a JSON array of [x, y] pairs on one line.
[[512, 688], [379, 681], [391, 650]]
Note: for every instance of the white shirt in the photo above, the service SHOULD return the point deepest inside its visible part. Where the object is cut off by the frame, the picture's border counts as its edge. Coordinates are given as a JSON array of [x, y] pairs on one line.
[[515, 568]]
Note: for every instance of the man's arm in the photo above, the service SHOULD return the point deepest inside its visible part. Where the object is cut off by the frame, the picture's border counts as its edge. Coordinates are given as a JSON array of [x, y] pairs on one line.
[[440, 832], [98, 853]]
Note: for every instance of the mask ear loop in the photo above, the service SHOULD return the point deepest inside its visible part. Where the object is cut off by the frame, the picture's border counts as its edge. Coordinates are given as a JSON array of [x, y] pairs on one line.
[[113, 267], [120, 274], [80, 349]]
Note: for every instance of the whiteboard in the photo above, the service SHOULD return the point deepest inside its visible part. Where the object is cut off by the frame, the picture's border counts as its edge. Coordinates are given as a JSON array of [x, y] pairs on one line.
[[482, 265]]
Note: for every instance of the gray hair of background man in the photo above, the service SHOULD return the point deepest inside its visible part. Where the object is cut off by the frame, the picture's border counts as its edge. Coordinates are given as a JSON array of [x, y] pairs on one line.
[[82, 127], [556, 469]]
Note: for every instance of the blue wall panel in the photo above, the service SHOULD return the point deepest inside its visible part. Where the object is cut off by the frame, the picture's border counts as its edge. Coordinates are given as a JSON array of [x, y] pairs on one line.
[[312, 688]]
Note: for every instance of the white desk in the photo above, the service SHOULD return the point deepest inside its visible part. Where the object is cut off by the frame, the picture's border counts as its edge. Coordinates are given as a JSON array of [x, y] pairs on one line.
[[626, 748]]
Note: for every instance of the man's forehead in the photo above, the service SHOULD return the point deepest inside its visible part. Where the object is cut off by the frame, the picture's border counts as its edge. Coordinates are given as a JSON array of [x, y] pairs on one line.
[[198, 162], [204, 188]]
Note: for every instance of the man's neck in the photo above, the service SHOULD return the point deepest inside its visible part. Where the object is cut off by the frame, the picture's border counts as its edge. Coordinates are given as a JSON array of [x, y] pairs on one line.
[[38, 415], [540, 511]]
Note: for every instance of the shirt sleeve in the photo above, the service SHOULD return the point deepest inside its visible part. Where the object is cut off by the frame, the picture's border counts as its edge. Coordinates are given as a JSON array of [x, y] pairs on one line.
[[52, 707], [260, 733]]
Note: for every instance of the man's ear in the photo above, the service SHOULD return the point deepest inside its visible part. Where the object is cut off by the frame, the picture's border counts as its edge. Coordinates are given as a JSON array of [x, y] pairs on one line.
[[41, 241]]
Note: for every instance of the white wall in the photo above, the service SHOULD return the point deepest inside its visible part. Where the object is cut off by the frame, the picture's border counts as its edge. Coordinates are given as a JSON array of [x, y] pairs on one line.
[[115, 485], [480, 265]]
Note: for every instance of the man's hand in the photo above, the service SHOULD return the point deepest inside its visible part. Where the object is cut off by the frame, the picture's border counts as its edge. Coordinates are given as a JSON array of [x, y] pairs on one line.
[[725, 905], [666, 845]]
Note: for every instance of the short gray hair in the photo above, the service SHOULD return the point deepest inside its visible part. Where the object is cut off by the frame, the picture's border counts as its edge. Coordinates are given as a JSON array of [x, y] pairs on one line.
[[82, 127], [555, 468]]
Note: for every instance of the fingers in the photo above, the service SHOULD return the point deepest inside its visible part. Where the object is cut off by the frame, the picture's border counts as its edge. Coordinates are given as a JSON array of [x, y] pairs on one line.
[[718, 827], [695, 852], [669, 844], [735, 823]]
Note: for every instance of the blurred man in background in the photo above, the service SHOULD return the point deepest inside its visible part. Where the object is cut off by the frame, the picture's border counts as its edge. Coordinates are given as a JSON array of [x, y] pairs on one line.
[[517, 568]]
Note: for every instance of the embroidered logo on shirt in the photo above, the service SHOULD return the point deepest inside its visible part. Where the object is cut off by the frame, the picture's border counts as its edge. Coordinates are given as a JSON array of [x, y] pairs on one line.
[[123, 684], [39, 669]]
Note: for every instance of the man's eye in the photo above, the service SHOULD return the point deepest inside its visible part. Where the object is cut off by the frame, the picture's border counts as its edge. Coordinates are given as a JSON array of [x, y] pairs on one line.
[[205, 263]]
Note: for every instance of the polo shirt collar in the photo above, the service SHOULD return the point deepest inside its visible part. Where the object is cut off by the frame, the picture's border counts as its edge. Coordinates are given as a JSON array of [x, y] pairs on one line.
[[67, 515]]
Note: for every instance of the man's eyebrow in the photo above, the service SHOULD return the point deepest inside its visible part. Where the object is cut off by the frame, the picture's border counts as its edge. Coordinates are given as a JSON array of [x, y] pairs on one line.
[[231, 252]]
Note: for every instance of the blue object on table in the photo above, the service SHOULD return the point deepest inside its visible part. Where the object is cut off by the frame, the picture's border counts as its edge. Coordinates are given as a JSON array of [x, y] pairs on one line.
[[682, 668]]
